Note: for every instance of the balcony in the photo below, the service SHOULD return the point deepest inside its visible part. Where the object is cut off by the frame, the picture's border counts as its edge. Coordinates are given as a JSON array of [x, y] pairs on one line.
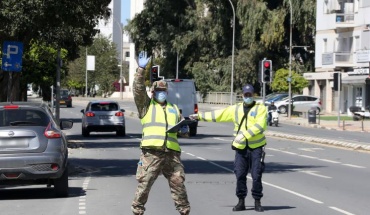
[[345, 20], [337, 59]]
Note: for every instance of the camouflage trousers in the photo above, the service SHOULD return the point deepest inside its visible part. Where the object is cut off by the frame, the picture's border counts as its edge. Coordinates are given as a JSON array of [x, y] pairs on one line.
[[151, 164]]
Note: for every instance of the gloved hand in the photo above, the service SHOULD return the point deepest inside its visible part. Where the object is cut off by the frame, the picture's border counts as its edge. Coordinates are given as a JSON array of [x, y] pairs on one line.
[[193, 116], [143, 59], [239, 138]]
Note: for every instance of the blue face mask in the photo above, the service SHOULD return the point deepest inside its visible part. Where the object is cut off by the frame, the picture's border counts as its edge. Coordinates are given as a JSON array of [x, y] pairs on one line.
[[248, 100], [160, 96]]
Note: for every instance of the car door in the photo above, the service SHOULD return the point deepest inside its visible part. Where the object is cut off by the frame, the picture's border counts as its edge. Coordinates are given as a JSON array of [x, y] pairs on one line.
[[299, 103]]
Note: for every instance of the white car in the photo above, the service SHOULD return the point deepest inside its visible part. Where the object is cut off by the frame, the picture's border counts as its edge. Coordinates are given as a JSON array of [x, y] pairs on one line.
[[301, 103], [29, 92]]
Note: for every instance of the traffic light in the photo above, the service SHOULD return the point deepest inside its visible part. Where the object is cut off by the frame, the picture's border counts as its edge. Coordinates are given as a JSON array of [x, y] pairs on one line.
[[337, 81], [266, 71], [154, 73]]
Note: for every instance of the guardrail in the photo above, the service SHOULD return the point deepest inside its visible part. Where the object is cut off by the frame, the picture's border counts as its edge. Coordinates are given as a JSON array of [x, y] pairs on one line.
[[218, 98]]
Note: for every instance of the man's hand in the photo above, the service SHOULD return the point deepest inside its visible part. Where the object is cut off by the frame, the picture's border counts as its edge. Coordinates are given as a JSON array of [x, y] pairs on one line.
[[143, 59], [193, 116], [239, 138]]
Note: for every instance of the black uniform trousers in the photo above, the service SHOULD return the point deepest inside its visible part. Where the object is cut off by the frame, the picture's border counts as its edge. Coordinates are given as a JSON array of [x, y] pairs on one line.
[[245, 160]]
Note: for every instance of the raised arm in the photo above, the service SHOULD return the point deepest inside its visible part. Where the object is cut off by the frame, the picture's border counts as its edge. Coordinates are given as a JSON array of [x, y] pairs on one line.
[[142, 100]]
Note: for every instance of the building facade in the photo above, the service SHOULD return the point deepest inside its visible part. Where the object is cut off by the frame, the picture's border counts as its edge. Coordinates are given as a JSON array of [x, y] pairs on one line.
[[343, 46]]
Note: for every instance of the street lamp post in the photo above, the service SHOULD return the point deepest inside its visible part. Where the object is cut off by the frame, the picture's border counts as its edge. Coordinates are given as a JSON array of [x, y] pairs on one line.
[[232, 57], [121, 56], [290, 63]]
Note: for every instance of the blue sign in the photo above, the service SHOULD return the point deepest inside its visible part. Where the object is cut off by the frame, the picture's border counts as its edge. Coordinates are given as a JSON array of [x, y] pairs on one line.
[[12, 56]]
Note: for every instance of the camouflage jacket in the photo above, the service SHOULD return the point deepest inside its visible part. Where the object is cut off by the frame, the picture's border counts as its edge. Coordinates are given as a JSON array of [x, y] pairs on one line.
[[142, 100]]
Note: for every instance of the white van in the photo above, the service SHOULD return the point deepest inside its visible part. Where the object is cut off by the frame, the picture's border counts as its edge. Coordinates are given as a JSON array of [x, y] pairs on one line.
[[182, 92]]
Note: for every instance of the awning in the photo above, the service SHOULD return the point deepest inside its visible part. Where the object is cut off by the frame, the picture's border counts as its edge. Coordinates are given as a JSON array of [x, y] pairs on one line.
[[355, 79]]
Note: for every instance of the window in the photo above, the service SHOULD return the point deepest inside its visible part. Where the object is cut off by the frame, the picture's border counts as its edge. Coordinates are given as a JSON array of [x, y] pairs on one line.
[[357, 43], [325, 46], [127, 54]]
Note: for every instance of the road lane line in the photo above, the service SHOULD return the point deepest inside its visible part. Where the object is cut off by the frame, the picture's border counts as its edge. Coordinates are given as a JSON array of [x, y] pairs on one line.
[[311, 173], [217, 138], [330, 161], [82, 199], [271, 185], [306, 156], [355, 166], [190, 154], [341, 211]]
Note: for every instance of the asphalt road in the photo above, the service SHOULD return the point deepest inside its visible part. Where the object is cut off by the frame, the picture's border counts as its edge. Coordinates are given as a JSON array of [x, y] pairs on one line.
[[300, 177]]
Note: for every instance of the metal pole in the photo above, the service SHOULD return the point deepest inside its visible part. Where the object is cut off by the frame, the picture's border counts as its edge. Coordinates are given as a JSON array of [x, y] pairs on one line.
[[290, 62], [121, 57], [339, 83], [177, 66], [232, 57], [86, 76]]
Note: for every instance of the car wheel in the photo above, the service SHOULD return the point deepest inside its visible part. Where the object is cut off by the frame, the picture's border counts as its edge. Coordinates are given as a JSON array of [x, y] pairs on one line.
[[61, 185], [85, 132], [121, 132], [70, 105], [318, 111], [282, 109]]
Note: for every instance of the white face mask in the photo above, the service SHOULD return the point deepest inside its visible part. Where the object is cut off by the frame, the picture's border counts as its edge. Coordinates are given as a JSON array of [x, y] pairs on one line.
[[160, 96], [248, 100]]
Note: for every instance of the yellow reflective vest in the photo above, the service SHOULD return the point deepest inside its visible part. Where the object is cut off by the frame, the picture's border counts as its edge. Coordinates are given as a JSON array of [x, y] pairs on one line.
[[155, 124], [252, 128]]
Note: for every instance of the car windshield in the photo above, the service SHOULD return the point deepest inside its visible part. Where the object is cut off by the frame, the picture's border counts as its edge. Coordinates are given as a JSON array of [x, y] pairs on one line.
[[63, 93], [23, 117], [104, 106]]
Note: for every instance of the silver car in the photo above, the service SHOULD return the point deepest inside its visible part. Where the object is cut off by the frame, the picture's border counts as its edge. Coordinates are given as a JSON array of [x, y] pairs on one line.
[[301, 103], [33, 148], [103, 116]]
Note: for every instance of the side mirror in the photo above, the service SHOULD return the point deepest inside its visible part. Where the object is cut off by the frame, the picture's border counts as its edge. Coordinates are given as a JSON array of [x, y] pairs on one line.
[[122, 110], [66, 124], [82, 111]]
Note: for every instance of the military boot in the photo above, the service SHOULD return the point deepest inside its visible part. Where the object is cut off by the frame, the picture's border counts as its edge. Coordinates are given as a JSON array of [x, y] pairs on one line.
[[257, 206], [240, 206]]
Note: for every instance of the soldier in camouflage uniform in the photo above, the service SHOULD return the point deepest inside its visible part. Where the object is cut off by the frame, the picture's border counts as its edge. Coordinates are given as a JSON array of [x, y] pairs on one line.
[[160, 150]]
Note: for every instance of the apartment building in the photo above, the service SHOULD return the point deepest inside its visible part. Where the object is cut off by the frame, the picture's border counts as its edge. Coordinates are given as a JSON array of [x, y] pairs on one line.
[[342, 45]]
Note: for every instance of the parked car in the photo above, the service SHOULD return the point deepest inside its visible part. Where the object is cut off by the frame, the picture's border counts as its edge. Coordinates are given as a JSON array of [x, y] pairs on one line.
[[103, 116], [33, 148], [29, 92], [301, 103], [273, 97]]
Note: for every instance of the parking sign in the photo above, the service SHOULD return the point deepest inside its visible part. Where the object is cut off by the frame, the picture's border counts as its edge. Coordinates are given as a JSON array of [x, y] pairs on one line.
[[12, 56]]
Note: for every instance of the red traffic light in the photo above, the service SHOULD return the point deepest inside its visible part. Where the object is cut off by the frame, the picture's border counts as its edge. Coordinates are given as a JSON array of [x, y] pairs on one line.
[[266, 64]]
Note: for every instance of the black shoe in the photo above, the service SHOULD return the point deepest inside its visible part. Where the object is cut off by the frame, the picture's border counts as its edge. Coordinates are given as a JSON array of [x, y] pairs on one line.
[[240, 206], [257, 206]]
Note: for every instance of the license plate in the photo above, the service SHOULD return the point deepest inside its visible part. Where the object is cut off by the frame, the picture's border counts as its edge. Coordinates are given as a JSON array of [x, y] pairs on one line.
[[104, 117], [62, 102], [14, 143]]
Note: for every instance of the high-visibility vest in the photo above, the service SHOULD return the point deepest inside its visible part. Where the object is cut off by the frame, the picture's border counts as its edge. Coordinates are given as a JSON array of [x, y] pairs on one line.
[[155, 124], [256, 123]]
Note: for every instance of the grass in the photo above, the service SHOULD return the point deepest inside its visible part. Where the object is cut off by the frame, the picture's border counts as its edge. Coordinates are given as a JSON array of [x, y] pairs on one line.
[[333, 118]]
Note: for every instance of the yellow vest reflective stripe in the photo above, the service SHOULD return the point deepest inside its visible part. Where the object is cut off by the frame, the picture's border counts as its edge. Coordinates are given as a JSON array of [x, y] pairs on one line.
[[256, 123], [155, 123]]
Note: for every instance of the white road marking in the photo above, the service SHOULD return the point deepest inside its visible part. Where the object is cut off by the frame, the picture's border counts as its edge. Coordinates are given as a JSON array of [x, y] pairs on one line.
[[311, 173], [217, 138], [306, 156], [341, 211], [355, 166], [330, 161], [82, 199], [281, 188]]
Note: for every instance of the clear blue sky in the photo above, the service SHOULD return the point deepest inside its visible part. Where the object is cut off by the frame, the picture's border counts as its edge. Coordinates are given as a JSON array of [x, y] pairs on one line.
[[125, 4]]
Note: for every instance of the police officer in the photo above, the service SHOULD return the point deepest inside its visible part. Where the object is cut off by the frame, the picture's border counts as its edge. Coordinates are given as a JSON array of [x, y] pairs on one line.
[[160, 150], [250, 121]]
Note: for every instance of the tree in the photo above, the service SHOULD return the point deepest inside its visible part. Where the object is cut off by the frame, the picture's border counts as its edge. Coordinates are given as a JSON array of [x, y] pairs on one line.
[[281, 84], [106, 66], [199, 32], [59, 24]]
